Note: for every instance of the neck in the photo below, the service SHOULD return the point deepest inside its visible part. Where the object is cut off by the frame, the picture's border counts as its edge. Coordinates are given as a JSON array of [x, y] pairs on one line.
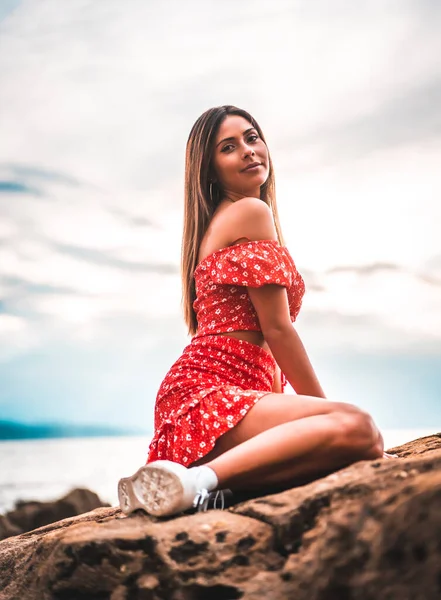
[[235, 196]]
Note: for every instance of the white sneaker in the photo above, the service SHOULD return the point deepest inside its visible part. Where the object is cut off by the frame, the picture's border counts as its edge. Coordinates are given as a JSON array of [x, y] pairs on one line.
[[160, 488]]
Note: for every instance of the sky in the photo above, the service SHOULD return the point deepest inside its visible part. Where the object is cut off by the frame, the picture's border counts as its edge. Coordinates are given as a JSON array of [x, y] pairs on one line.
[[97, 100]]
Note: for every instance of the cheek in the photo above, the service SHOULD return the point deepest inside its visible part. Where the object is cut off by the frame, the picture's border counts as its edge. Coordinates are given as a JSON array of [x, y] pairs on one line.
[[263, 150], [225, 167]]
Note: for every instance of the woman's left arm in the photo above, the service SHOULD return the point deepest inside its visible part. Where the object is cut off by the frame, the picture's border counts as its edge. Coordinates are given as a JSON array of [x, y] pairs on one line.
[[308, 382], [291, 351]]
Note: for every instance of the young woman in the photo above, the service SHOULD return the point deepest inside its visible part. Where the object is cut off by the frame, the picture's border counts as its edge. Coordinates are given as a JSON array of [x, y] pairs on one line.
[[221, 417]]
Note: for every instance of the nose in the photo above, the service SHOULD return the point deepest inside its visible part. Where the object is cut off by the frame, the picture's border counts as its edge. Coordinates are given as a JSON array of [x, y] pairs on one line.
[[248, 151]]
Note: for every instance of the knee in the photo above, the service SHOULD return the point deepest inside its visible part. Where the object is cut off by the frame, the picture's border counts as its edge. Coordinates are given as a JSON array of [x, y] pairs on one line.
[[345, 408], [358, 433]]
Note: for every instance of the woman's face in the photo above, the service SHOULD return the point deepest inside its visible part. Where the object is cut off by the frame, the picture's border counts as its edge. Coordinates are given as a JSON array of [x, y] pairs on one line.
[[240, 158]]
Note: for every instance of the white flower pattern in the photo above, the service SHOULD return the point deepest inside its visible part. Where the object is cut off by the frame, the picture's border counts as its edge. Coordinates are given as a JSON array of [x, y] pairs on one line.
[[214, 276], [217, 379]]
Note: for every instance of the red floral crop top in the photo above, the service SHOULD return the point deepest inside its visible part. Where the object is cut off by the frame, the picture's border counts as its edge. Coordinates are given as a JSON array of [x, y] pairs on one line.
[[222, 302]]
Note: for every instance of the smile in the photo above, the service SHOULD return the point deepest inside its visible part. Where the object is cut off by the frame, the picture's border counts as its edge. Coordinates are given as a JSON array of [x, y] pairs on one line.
[[252, 167]]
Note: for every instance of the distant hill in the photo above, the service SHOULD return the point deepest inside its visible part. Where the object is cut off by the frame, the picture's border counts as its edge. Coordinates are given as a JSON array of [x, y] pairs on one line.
[[10, 430]]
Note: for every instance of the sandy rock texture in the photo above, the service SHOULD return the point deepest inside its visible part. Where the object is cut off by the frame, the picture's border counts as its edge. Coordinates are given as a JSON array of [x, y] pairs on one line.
[[371, 531], [30, 515]]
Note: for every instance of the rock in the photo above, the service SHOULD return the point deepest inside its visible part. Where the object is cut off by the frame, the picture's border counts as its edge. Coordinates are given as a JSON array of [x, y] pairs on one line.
[[30, 515], [362, 533], [7, 528]]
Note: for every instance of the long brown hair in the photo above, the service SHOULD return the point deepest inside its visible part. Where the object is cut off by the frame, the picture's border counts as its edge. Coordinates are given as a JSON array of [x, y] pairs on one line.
[[201, 201]]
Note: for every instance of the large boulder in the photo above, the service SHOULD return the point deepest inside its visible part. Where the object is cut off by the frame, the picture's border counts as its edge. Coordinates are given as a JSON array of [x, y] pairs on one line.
[[371, 531], [31, 515]]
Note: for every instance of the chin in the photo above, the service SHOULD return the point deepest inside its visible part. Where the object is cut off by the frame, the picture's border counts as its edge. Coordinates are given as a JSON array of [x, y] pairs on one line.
[[257, 179], [261, 180]]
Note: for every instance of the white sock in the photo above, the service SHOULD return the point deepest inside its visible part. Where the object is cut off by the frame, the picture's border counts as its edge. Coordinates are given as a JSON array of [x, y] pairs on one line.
[[206, 478]]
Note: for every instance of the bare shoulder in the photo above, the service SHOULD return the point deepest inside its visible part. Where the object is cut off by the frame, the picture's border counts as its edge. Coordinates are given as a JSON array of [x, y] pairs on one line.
[[250, 205], [250, 218]]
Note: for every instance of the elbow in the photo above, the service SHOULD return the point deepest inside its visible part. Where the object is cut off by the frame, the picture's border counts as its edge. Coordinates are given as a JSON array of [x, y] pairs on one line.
[[277, 331]]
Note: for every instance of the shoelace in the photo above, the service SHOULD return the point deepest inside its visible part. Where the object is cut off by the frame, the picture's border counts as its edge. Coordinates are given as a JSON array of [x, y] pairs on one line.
[[204, 497]]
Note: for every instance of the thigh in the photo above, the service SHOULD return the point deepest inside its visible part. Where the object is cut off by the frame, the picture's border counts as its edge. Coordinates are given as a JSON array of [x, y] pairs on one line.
[[272, 410]]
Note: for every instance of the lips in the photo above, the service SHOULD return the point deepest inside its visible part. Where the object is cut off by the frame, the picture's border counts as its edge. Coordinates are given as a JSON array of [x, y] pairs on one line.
[[251, 166]]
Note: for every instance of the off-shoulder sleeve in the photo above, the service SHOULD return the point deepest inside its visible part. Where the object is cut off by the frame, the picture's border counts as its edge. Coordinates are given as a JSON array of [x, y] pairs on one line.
[[254, 264]]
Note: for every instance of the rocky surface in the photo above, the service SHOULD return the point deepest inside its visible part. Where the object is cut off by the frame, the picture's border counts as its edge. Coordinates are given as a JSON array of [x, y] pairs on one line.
[[30, 515], [370, 531]]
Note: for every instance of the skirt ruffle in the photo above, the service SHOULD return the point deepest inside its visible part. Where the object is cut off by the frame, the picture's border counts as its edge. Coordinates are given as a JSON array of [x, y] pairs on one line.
[[208, 390]]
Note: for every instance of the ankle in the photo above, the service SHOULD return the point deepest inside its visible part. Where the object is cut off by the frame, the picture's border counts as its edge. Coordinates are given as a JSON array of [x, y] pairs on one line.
[[206, 477]]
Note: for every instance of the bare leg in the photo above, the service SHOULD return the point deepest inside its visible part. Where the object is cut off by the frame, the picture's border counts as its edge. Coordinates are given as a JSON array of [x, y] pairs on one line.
[[284, 438], [280, 441]]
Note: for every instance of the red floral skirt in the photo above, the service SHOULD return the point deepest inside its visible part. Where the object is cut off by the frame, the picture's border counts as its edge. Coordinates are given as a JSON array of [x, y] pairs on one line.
[[207, 391]]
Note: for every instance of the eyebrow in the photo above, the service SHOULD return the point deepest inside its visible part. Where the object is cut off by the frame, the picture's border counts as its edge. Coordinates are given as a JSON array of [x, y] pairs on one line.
[[230, 139]]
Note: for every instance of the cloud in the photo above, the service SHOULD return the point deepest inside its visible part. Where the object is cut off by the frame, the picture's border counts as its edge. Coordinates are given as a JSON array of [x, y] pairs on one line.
[[14, 187], [7, 7], [413, 115], [330, 332], [434, 262], [133, 220], [313, 280], [410, 116], [28, 287], [96, 106], [26, 180], [375, 268], [364, 269], [19, 296], [35, 173], [96, 257]]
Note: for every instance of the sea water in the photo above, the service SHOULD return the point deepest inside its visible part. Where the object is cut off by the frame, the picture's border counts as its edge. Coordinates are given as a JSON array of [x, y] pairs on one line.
[[48, 469]]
